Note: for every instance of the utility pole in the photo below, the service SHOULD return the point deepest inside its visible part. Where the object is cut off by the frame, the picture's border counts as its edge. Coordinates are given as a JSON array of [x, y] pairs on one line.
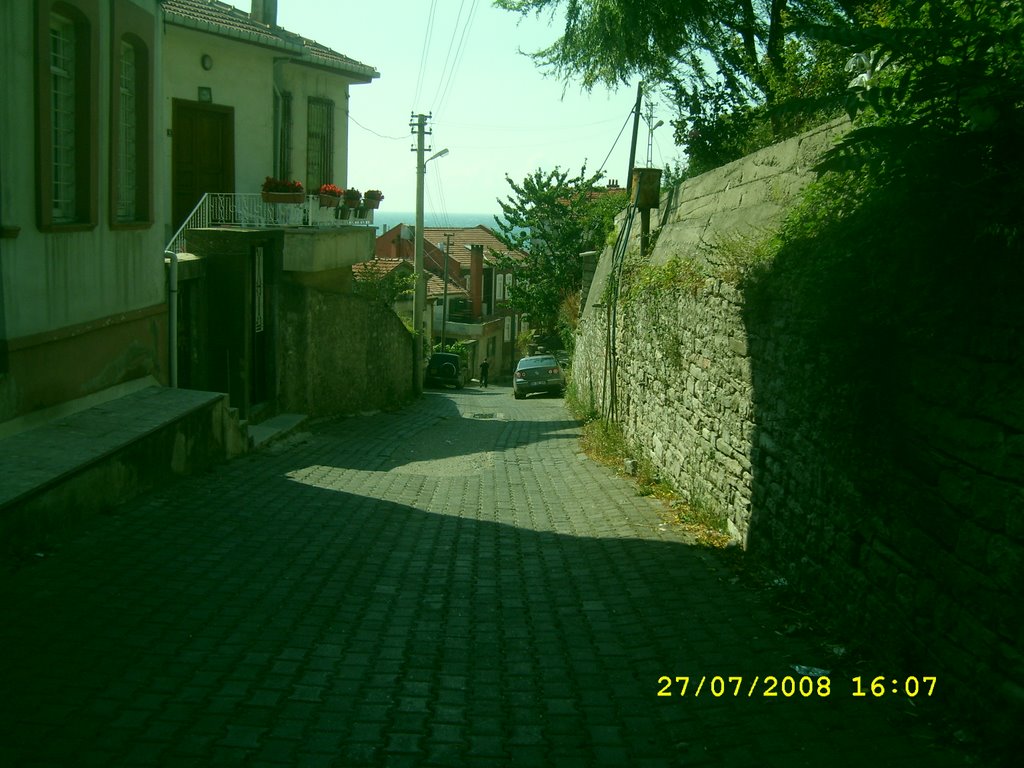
[[419, 125], [636, 131]]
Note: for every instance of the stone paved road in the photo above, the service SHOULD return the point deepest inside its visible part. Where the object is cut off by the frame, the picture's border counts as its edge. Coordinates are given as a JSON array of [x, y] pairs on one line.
[[450, 585]]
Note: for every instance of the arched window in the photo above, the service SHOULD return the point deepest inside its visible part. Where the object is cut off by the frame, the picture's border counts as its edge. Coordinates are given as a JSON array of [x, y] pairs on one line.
[[67, 132], [63, 74], [131, 142]]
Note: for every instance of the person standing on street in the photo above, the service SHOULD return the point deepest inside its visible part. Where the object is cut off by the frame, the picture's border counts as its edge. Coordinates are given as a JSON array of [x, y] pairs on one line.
[[484, 367]]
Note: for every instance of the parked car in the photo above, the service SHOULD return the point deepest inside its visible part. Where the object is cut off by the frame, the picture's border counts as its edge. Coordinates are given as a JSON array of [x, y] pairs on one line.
[[446, 368], [538, 373]]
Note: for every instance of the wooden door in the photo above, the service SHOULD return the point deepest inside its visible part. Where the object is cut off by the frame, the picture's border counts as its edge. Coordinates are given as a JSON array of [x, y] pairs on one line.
[[202, 154]]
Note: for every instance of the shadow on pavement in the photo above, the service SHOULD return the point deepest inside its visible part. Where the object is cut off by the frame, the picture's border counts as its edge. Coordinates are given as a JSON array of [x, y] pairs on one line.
[[432, 433], [247, 617]]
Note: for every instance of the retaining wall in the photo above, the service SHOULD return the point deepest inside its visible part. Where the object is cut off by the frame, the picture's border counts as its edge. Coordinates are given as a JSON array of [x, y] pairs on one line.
[[860, 426]]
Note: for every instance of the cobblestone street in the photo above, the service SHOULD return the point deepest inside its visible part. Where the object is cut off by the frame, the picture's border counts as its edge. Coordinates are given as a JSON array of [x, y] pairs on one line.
[[453, 584]]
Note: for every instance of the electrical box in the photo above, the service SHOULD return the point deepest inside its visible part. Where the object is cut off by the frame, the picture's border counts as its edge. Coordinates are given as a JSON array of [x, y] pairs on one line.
[[645, 188]]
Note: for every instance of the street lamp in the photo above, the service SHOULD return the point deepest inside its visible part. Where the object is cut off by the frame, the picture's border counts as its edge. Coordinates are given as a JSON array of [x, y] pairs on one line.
[[650, 139]]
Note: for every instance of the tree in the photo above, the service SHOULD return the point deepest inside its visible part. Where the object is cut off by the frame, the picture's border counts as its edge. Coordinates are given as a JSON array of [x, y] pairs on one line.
[[552, 218], [377, 283], [728, 65], [939, 90]]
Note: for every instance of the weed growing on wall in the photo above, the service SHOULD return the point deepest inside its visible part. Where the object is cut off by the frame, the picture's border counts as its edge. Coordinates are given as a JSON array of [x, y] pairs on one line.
[[736, 257], [604, 441], [641, 279]]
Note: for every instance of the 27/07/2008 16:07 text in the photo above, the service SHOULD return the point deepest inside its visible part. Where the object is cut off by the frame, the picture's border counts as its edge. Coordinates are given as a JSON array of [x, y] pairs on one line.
[[789, 686]]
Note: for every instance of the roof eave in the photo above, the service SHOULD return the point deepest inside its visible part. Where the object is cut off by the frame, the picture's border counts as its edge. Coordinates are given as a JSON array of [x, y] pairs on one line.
[[234, 34], [358, 73]]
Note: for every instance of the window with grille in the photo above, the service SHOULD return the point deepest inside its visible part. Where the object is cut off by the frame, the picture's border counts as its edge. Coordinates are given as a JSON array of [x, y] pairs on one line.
[[319, 143], [131, 117], [66, 115], [127, 146], [62, 118]]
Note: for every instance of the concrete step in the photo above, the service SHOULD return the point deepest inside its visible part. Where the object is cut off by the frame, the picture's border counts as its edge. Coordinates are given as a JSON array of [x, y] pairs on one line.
[[275, 428]]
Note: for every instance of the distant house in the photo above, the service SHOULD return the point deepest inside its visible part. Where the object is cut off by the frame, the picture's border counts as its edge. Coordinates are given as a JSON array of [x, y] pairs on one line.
[[246, 99], [83, 312], [482, 318], [394, 252]]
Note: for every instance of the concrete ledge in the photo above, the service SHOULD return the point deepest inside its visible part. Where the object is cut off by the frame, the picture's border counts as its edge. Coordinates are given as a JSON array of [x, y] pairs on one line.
[[55, 475]]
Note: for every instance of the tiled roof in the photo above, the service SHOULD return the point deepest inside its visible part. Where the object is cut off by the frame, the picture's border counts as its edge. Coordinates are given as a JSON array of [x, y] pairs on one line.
[[391, 245], [385, 266], [467, 236], [222, 19], [435, 288], [387, 254]]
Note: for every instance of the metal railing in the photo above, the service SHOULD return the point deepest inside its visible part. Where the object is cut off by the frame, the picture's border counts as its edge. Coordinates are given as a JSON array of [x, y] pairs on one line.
[[249, 211]]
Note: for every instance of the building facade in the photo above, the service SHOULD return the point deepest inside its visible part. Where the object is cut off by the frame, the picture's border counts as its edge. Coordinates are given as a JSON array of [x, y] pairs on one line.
[[82, 301]]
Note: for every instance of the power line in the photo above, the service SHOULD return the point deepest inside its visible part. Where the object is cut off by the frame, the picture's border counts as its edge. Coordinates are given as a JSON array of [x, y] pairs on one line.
[[370, 130], [512, 128], [428, 30], [603, 164], [448, 55], [459, 52]]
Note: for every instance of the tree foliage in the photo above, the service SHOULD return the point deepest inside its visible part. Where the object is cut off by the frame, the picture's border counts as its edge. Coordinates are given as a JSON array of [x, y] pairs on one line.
[[736, 70], [552, 218], [377, 283], [935, 84]]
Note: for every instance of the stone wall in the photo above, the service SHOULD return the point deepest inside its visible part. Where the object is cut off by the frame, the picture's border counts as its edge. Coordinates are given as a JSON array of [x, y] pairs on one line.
[[341, 353], [684, 390], [859, 424]]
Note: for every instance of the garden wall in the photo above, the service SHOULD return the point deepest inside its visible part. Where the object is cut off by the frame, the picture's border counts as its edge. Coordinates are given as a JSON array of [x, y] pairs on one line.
[[341, 353]]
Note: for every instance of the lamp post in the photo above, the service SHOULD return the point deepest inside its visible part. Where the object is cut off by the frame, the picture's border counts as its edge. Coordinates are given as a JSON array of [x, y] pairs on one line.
[[650, 139]]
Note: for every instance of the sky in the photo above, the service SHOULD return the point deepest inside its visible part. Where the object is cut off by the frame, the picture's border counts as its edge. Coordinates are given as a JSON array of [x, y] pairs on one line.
[[492, 108]]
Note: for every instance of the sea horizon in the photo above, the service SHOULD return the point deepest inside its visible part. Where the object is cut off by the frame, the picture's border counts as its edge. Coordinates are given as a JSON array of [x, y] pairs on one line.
[[384, 220]]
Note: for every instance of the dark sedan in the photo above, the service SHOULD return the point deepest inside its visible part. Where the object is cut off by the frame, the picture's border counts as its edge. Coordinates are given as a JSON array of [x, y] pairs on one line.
[[539, 373]]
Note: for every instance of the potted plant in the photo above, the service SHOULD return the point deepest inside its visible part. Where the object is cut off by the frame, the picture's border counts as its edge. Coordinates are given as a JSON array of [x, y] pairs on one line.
[[372, 198], [352, 197], [281, 191], [330, 196]]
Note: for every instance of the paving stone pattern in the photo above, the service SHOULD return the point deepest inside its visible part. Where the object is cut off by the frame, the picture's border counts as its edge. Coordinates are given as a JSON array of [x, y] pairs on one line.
[[454, 584]]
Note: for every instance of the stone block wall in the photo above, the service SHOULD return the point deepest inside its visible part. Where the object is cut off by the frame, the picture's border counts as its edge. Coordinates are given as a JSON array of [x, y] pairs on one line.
[[858, 425], [341, 353]]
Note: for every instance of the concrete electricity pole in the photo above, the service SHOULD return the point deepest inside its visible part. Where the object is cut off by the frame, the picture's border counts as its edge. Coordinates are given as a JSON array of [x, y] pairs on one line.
[[420, 296], [418, 125]]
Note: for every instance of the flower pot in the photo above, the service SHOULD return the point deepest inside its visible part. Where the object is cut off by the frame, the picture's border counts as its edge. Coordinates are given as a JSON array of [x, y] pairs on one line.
[[352, 203], [343, 212], [371, 202], [283, 197], [329, 201]]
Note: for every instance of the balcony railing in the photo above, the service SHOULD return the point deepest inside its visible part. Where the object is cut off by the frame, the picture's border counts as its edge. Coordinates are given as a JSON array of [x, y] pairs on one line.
[[251, 212]]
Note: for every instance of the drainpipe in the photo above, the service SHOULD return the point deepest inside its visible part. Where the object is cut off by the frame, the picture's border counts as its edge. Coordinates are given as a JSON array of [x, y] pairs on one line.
[[172, 317]]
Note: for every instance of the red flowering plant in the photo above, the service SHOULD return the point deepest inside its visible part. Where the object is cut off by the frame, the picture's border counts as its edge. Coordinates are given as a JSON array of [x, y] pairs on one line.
[[330, 189], [280, 185]]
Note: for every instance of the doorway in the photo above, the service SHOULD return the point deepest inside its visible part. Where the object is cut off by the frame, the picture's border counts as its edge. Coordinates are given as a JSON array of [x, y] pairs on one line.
[[202, 154]]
